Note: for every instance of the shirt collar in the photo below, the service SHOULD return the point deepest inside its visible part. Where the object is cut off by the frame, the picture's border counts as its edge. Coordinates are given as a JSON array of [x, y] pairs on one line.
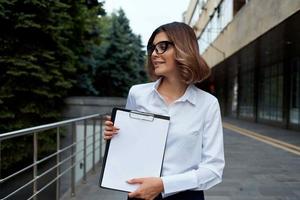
[[189, 95], [156, 84]]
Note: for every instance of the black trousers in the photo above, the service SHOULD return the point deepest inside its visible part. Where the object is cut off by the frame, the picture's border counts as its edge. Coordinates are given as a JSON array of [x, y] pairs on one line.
[[186, 195]]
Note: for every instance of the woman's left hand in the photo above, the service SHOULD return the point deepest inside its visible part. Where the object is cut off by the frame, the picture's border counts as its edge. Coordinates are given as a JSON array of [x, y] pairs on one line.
[[149, 188]]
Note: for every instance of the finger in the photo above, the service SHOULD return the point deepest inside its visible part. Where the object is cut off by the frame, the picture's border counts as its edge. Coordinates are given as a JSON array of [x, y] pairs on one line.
[[134, 194], [131, 195], [108, 123], [135, 181], [107, 117], [107, 137], [108, 128], [115, 129], [109, 133], [111, 130]]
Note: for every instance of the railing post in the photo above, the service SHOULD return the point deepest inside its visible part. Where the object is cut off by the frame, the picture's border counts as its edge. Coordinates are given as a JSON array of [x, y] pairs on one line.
[[73, 160], [35, 154], [0, 163], [57, 162], [84, 152], [101, 136], [94, 140]]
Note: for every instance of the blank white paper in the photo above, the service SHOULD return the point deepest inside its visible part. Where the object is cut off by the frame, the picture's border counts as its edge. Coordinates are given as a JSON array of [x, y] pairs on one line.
[[135, 152]]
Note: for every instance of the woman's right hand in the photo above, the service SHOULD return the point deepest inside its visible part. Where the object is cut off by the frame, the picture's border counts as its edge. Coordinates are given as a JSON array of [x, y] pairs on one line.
[[109, 129]]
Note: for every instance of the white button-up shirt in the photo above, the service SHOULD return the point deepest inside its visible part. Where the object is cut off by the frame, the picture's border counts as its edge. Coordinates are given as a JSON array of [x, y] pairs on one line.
[[194, 154]]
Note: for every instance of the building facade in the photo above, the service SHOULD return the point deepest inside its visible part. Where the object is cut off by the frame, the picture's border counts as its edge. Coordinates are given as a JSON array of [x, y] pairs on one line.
[[253, 47]]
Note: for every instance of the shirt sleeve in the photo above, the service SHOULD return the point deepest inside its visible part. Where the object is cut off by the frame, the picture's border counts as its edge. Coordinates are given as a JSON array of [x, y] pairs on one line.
[[130, 104], [210, 168]]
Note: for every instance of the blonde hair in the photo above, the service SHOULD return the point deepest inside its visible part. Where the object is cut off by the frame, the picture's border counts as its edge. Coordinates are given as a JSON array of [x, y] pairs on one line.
[[191, 65]]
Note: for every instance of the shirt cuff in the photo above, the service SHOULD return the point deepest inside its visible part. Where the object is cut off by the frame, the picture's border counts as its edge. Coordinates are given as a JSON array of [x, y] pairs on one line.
[[179, 182]]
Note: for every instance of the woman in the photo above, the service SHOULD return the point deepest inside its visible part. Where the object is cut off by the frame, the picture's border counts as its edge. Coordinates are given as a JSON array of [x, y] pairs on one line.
[[194, 155]]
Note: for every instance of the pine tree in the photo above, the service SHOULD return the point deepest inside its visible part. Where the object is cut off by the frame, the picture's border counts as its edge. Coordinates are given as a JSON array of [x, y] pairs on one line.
[[38, 64], [35, 63], [84, 43], [121, 58]]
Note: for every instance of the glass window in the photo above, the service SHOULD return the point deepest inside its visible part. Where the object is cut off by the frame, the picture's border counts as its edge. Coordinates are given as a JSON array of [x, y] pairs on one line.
[[226, 12], [246, 107], [196, 13], [235, 96], [271, 89], [295, 93], [221, 17], [203, 41], [246, 81]]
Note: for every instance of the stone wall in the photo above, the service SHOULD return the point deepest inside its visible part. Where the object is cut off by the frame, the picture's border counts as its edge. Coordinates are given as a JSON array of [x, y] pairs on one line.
[[82, 106]]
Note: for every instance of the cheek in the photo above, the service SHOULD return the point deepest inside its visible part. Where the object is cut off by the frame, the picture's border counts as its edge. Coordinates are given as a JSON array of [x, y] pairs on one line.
[[171, 63], [171, 58]]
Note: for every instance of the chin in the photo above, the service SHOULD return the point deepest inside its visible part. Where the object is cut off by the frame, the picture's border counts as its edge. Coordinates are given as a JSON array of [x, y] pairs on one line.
[[158, 72]]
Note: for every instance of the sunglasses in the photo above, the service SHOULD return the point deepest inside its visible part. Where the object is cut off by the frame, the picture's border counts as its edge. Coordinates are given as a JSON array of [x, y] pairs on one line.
[[160, 47]]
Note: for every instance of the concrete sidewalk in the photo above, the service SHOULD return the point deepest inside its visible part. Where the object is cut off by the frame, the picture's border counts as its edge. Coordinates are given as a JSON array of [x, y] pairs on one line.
[[254, 170], [91, 191], [285, 135]]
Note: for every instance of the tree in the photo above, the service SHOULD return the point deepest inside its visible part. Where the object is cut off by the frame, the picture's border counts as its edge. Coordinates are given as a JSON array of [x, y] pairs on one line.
[[36, 65], [84, 43], [120, 58], [39, 63]]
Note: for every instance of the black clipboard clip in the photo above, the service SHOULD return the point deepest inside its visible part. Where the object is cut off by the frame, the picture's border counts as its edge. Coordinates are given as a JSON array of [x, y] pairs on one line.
[[141, 116]]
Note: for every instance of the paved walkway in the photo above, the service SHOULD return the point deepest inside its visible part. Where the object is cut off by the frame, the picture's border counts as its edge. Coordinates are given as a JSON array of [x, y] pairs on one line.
[[254, 170]]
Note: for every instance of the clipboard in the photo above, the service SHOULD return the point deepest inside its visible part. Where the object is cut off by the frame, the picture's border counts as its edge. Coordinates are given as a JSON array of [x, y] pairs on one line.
[[137, 151]]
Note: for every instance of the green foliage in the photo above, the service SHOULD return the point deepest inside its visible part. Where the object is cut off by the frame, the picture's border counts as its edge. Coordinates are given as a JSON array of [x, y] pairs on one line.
[[120, 57], [84, 41], [36, 65], [42, 46]]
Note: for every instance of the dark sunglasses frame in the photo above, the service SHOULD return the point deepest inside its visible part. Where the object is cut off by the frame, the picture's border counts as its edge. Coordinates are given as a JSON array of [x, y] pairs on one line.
[[153, 47]]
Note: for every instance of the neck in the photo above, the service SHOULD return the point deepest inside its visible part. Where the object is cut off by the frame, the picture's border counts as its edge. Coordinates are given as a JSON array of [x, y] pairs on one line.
[[171, 89]]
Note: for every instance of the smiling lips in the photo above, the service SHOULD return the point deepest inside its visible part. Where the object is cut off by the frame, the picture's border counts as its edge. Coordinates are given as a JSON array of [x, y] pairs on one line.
[[155, 63]]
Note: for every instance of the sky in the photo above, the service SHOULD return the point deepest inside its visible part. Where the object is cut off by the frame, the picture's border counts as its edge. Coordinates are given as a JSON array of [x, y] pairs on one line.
[[146, 15]]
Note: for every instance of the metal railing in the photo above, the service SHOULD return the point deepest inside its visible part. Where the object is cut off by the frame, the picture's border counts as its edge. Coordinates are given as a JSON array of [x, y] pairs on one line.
[[92, 128]]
